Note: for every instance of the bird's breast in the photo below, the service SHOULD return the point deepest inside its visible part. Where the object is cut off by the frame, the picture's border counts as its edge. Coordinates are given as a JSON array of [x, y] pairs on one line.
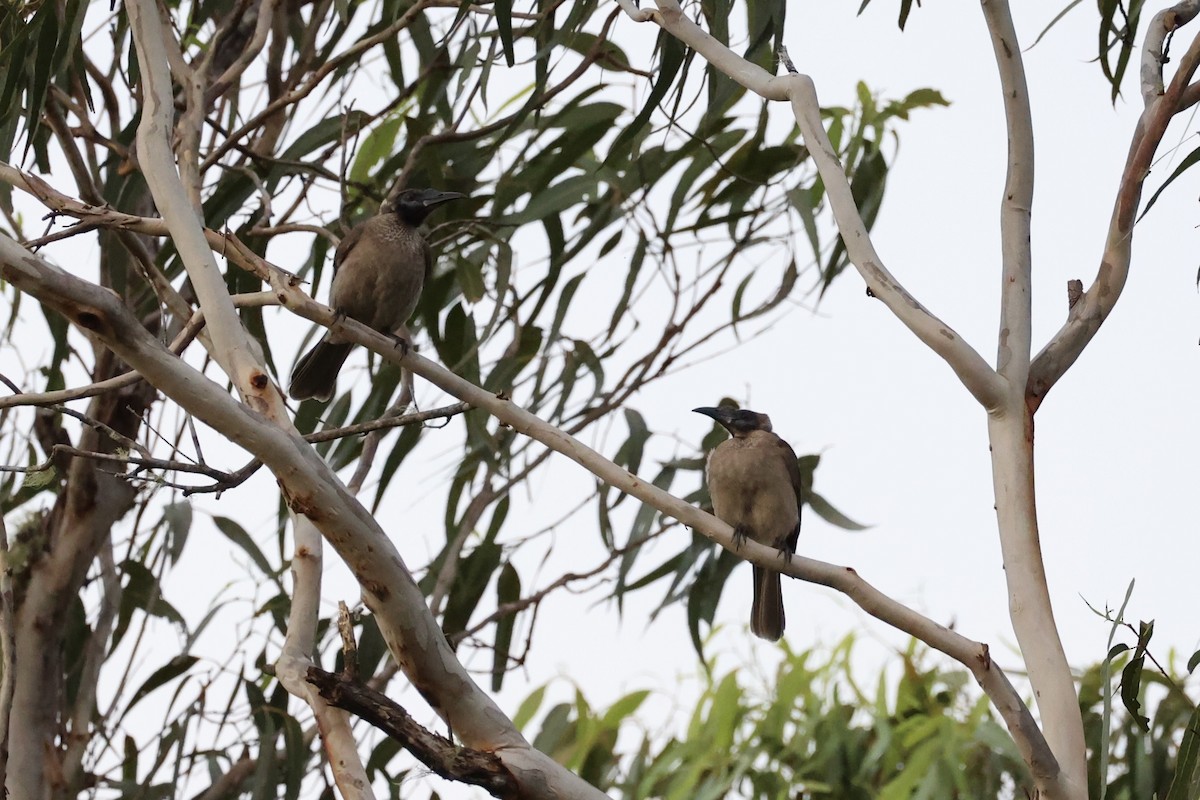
[[750, 485]]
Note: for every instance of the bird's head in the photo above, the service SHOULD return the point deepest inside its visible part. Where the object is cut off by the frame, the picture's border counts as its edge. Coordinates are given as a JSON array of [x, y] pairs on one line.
[[414, 205], [738, 421]]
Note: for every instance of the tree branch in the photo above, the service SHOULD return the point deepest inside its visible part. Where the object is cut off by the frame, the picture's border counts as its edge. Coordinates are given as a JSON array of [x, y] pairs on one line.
[[1010, 429], [296, 659], [233, 348], [1013, 341], [980, 379], [8, 646], [475, 767], [311, 488], [1088, 314], [971, 654]]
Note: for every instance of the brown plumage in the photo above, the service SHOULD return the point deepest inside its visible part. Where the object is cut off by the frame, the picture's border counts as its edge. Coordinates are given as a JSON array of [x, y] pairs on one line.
[[379, 269], [754, 483]]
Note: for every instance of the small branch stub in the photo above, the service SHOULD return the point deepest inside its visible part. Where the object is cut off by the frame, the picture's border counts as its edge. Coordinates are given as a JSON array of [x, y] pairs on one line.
[[1074, 293], [349, 647]]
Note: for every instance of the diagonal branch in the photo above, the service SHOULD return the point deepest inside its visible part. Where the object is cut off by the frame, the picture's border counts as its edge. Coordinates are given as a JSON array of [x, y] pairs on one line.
[[980, 379], [1087, 314], [311, 488], [973, 655]]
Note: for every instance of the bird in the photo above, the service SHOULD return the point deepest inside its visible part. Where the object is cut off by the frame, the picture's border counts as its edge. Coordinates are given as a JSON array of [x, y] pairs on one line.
[[754, 482], [379, 269]]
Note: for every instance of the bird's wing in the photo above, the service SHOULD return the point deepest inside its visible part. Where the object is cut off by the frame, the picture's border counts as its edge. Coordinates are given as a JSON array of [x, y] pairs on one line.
[[793, 469], [346, 245]]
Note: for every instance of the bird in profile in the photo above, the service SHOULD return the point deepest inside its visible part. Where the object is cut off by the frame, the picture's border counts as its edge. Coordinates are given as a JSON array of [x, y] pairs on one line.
[[379, 269], [754, 482]]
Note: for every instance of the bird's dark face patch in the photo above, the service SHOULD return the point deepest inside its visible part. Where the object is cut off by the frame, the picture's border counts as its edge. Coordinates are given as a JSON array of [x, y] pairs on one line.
[[414, 205]]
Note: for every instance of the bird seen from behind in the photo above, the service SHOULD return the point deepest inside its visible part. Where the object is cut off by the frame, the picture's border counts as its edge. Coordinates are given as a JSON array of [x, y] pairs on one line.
[[754, 483], [379, 269]]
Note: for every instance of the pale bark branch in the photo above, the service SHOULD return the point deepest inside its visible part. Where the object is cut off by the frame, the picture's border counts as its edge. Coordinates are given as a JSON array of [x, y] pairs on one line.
[[233, 348], [1088, 314], [412, 634], [8, 646], [297, 658], [225, 244], [980, 379], [1010, 428], [1013, 341]]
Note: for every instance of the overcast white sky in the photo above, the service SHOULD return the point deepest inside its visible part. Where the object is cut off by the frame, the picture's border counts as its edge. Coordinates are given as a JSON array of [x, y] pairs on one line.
[[904, 446]]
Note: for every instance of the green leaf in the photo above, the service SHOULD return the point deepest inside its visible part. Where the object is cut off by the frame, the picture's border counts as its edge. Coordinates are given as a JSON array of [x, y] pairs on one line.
[[178, 517], [624, 708], [237, 534], [508, 590], [39, 478], [1131, 685], [1185, 784], [830, 514], [377, 146], [1057, 17], [474, 574], [672, 53], [47, 25], [1183, 167], [142, 592], [504, 28], [551, 201], [635, 267], [529, 706], [177, 666]]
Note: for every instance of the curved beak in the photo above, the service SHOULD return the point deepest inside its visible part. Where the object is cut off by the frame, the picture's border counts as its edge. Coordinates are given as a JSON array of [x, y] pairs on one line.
[[432, 197], [721, 415]]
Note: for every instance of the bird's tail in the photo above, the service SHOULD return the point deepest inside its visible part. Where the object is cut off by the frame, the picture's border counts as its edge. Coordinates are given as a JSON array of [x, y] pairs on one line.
[[766, 615], [315, 374]]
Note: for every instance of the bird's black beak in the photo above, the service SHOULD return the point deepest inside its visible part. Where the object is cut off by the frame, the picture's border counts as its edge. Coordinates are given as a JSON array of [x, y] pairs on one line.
[[722, 415], [431, 198]]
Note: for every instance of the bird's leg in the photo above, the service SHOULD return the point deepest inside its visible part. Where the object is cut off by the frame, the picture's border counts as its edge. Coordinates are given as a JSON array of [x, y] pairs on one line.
[[741, 532], [399, 342], [784, 545]]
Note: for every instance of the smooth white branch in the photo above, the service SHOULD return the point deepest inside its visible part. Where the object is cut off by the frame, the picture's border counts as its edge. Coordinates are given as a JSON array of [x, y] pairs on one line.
[[1085, 317], [310, 487], [980, 379]]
